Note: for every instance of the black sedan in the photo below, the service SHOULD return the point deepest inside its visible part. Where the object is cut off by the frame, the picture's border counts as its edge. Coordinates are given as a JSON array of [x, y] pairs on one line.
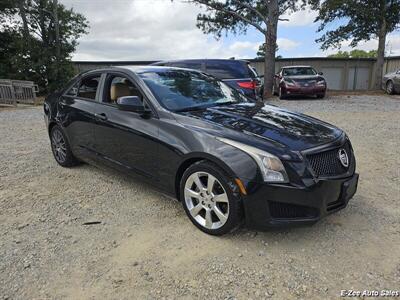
[[228, 159]]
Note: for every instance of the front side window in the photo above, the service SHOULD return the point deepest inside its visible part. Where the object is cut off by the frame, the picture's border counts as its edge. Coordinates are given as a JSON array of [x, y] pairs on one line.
[[73, 91], [180, 90], [88, 87], [298, 71], [118, 86]]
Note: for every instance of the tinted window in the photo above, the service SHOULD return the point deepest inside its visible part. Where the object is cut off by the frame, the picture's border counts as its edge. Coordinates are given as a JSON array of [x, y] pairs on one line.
[[183, 90], [298, 71], [187, 65], [88, 87], [227, 70]]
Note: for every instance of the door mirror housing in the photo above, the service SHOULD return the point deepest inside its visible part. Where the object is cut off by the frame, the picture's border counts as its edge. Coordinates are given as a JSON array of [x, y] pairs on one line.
[[320, 73], [131, 103]]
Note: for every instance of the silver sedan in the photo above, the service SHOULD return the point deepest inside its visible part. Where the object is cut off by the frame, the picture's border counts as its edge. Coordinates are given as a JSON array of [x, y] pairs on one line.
[[391, 82]]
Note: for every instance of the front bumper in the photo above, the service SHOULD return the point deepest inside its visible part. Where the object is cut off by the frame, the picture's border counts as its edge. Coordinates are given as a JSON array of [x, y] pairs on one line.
[[275, 205], [298, 90]]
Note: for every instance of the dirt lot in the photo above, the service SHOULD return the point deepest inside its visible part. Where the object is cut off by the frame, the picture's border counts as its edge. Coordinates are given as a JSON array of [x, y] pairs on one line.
[[146, 248]]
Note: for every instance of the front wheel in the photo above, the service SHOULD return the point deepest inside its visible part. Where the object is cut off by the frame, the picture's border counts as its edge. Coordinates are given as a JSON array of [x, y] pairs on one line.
[[389, 87], [281, 94], [211, 199], [320, 96]]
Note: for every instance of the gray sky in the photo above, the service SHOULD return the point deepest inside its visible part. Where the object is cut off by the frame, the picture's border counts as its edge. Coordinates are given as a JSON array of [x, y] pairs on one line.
[[159, 29]]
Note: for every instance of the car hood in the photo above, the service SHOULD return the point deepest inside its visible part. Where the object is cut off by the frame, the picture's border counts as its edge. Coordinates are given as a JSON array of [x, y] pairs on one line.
[[293, 130]]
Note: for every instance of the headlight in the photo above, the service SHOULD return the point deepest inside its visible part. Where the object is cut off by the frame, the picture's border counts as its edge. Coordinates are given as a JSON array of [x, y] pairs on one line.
[[321, 82], [289, 82], [271, 166]]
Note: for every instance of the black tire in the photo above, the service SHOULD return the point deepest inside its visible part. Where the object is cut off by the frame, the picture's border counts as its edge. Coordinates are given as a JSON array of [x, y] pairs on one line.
[[274, 91], [390, 87], [281, 95], [235, 214], [321, 96], [61, 149]]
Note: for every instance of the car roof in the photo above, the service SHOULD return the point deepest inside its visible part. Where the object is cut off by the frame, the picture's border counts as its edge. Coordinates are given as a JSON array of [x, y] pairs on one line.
[[203, 60], [134, 69]]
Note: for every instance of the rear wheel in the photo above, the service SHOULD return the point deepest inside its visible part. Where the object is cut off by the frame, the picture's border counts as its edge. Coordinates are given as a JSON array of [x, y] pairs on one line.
[[389, 87], [61, 149], [211, 199]]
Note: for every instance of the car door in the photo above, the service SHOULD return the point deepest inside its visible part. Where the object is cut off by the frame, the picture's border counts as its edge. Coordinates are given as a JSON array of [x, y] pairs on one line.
[[126, 139], [76, 114]]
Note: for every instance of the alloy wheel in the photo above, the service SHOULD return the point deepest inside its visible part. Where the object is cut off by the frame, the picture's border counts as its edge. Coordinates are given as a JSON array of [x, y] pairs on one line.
[[206, 200], [59, 146]]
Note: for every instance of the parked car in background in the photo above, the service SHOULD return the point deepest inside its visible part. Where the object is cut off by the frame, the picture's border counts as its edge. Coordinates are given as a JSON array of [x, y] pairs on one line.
[[236, 73], [391, 82], [227, 158], [299, 80]]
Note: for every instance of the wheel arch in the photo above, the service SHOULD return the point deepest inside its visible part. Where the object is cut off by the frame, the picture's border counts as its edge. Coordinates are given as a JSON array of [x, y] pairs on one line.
[[51, 125], [193, 158]]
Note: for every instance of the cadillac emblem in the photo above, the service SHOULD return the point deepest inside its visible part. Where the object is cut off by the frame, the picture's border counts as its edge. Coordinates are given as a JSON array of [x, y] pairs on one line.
[[343, 157]]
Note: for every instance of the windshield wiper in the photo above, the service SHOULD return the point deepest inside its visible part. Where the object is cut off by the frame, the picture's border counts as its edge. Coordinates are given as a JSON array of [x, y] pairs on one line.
[[223, 103], [202, 107], [191, 108]]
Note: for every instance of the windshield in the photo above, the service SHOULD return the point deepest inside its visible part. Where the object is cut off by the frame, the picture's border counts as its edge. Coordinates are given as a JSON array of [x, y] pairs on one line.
[[298, 71], [180, 90]]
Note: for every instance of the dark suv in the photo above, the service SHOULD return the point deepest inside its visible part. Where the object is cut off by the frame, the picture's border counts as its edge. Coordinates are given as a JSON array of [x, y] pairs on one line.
[[236, 73]]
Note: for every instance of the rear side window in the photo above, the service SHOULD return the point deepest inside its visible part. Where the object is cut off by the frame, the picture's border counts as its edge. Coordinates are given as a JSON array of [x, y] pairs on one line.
[[228, 70], [88, 87]]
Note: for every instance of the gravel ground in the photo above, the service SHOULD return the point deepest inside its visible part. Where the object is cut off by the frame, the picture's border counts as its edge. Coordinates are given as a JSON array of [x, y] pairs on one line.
[[146, 248]]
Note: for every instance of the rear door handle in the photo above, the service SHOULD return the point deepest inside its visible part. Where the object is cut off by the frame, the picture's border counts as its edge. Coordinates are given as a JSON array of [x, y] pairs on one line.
[[101, 116]]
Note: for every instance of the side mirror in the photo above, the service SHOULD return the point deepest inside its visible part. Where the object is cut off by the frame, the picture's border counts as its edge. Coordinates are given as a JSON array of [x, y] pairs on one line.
[[320, 73], [131, 103]]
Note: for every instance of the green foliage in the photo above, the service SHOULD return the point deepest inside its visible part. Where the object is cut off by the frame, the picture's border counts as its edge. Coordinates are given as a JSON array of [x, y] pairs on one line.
[[31, 55], [356, 53], [261, 51], [361, 20], [236, 16]]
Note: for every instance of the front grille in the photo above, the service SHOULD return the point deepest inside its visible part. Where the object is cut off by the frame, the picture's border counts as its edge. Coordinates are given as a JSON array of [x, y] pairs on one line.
[[305, 82], [280, 210], [327, 163]]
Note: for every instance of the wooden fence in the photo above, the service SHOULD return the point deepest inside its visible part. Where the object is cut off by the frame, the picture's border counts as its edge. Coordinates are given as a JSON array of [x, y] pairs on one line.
[[17, 91]]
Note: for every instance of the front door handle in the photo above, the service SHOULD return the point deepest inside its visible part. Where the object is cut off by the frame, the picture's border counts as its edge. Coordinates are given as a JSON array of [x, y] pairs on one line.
[[101, 116]]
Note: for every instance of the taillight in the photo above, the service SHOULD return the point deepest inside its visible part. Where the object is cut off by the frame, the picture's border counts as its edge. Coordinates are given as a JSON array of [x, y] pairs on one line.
[[247, 84]]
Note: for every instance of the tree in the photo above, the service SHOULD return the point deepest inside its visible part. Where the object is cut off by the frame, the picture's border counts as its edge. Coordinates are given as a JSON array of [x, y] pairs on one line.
[[356, 53], [237, 16], [41, 35], [261, 51], [360, 20]]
